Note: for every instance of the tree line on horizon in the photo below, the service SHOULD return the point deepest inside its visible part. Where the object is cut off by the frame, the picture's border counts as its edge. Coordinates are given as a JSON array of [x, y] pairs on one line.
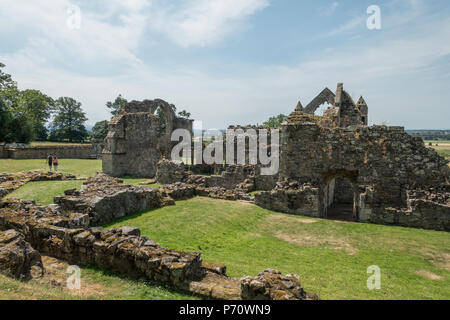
[[31, 115]]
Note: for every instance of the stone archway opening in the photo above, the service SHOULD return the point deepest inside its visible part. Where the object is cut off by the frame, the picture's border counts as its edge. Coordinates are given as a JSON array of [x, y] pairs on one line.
[[163, 120], [339, 196], [166, 115], [321, 109]]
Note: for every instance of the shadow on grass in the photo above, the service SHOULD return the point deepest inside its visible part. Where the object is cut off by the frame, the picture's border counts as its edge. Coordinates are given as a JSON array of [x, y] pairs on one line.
[[128, 217], [95, 272]]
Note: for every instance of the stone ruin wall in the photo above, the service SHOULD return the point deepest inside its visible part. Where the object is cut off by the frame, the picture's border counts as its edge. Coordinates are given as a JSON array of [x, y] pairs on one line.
[[136, 140], [88, 151], [64, 230], [384, 165], [235, 174], [3, 151]]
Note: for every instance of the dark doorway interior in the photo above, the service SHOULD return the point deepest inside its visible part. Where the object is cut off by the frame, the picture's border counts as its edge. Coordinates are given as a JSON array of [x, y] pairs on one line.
[[340, 197]]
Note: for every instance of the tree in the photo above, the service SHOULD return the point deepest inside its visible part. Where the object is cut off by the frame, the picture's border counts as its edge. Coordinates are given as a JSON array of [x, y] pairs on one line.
[[15, 125], [100, 130], [68, 123], [38, 108], [5, 79], [184, 114], [116, 105], [19, 129], [5, 120], [275, 122]]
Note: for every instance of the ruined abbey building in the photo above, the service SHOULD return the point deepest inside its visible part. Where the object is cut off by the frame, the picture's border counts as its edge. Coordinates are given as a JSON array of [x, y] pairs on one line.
[[331, 166], [138, 139], [335, 162]]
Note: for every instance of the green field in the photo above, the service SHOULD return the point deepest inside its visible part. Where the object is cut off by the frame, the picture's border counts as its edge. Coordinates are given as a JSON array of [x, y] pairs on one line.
[[331, 257], [43, 192], [441, 146], [95, 284], [79, 167]]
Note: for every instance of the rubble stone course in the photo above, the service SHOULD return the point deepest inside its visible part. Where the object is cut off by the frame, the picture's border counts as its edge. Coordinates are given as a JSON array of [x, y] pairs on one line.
[[272, 285], [17, 258], [105, 199], [121, 250], [170, 171]]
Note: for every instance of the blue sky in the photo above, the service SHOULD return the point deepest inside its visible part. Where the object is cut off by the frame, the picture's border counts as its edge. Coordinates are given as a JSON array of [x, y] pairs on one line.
[[235, 61]]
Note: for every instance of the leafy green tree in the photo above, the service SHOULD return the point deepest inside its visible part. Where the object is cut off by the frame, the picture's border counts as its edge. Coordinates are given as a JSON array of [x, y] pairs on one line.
[[100, 130], [38, 108], [68, 122], [275, 122], [19, 129], [184, 114], [5, 120], [115, 106], [15, 125], [5, 79]]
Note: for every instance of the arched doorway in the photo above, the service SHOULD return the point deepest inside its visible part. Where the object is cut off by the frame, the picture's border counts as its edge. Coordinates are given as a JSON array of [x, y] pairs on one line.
[[166, 115], [339, 196]]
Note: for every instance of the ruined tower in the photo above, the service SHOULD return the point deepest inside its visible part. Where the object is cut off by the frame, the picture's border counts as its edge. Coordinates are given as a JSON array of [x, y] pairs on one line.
[[343, 109], [138, 139], [364, 110]]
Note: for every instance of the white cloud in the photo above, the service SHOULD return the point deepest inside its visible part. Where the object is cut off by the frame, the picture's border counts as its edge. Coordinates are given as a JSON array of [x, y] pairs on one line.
[[349, 25], [204, 22], [48, 39], [389, 71], [330, 9]]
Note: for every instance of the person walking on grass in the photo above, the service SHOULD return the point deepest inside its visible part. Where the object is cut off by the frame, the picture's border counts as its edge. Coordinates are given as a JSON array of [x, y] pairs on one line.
[[50, 162], [55, 163]]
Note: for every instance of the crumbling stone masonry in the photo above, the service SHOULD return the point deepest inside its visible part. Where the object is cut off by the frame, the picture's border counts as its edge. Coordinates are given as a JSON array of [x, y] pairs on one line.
[[137, 139], [59, 234], [104, 199], [391, 176], [17, 258], [243, 177], [170, 171]]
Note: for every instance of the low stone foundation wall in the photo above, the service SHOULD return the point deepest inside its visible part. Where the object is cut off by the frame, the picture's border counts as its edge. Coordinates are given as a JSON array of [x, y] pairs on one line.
[[58, 234], [88, 151], [12, 181], [105, 199], [3, 151], [294, 199], [170, 171], [246, 177], [18, 259], [426, 209]]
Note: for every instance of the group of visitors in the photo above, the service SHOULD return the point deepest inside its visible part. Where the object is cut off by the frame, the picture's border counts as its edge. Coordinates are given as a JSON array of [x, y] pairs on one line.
[[52, 161]]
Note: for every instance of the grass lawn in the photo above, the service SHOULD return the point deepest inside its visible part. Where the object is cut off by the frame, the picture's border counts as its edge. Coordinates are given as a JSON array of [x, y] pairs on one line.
[[95, 284], [79, 167], [331, 257], [43, 192]]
